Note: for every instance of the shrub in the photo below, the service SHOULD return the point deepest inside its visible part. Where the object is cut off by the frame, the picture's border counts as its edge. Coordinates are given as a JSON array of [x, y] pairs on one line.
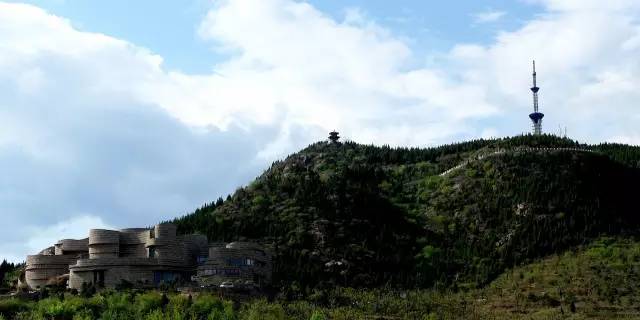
[[10, 307], [147, 302], [226, 313], [317, 315], [117, 306], [262, 310], [87, 290], [299, 309], [155, 315], [52, 308], [84, 315], [205, 305], [179, 307]]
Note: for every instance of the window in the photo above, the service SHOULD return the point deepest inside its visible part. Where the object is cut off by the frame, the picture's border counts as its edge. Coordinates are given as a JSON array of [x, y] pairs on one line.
[[222, 272], [152, 252], [165, 276], [231, 272], [241, 262], [234, 262]]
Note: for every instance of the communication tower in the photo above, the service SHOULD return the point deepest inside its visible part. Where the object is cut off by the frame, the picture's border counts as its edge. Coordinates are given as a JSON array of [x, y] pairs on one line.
[[536, 116]]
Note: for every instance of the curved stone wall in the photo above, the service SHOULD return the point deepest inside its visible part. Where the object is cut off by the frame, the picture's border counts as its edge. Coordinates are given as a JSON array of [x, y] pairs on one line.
[[97, 251], [101, 236], [104, 243], [113, 276], [134, 236], [133, 230], [133, 241], [72, 245], [39, 268], [171, 250], [165, 231]]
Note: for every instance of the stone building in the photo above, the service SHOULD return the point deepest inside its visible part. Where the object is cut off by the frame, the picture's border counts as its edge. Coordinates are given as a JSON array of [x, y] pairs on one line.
[[139, 256], [146, 257], [53, 261], [237, 262]]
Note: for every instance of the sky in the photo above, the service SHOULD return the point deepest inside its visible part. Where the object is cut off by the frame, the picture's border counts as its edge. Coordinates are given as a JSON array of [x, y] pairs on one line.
[[121, 113]]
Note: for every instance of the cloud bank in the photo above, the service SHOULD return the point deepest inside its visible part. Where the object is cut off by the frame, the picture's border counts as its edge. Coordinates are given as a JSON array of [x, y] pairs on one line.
[[95, 132]]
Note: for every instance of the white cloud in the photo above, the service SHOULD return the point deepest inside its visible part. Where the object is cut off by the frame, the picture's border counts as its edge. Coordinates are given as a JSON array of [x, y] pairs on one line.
[[488, 16], [294, 66], [587, 68], [78, 135], [618, 6], [75, 228]]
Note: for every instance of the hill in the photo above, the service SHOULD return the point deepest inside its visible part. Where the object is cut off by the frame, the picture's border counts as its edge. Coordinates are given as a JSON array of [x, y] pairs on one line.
[[599, 281], [365, 216]]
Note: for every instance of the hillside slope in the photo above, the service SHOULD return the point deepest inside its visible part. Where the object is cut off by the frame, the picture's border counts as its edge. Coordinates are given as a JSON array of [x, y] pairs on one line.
[[355, 215], [598, 281]]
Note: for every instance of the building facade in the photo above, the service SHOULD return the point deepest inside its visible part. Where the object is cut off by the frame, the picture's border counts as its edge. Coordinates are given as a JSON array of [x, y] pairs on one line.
[[240, 263], [146, 257]]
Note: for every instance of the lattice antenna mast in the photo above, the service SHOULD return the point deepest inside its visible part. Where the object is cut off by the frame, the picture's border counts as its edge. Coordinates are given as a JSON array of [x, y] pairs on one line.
[[535, 88], [536, 116]]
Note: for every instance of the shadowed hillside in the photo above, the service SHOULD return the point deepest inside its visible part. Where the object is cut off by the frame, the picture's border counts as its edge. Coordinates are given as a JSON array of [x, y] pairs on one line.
[[357, 215]]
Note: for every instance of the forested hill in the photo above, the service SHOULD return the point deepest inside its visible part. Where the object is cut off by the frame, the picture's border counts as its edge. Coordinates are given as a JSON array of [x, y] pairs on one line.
[[359, 215]]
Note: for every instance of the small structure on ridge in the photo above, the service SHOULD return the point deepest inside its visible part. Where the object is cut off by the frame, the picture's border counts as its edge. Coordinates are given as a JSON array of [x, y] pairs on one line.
[[334, 137]]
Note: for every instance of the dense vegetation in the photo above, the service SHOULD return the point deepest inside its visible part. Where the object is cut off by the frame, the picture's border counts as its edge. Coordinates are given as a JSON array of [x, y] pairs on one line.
[[597, 281], [364, 216], [8, 274]]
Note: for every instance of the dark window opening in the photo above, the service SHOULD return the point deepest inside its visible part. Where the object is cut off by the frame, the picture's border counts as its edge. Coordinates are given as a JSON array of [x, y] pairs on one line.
[[98, 278], [165, 276], [241, 262]]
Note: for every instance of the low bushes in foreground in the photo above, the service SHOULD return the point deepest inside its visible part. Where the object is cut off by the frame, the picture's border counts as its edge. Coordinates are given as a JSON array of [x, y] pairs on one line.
[[598, 281]]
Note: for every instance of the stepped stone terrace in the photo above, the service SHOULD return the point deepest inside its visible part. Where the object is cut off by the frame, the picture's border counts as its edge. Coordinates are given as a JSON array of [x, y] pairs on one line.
[[147, 257]]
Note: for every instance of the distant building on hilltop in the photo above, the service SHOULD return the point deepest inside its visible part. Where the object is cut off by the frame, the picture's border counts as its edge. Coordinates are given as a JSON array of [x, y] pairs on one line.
[[333, 136], [145, 257]]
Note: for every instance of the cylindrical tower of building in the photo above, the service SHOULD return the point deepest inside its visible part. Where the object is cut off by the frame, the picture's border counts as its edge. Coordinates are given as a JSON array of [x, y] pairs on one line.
[[163, 243], [165, 231], [104, 243], [40, 269]]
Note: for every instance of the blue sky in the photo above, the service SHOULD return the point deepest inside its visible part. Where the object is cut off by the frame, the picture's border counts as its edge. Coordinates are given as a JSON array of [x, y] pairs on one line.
[[124, 113], [170, 28]]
